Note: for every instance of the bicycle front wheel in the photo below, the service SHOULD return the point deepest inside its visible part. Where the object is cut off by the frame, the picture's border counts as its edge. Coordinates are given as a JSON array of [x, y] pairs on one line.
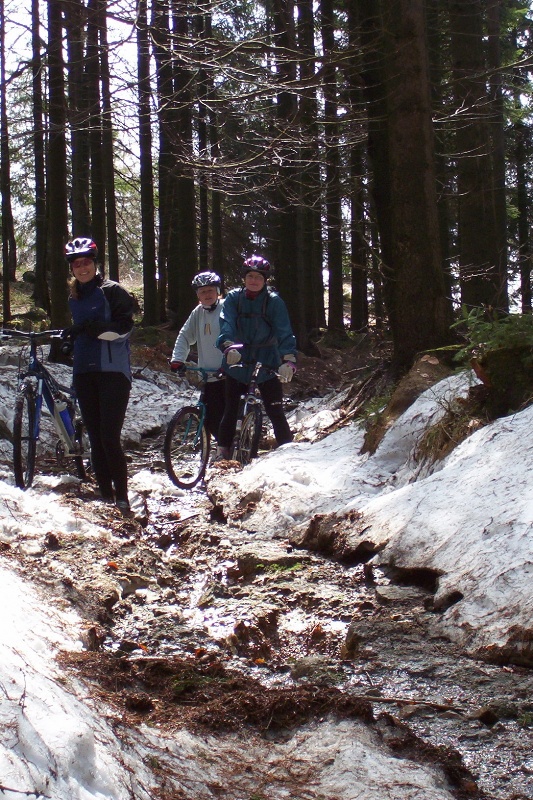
[[24, 441], [250, 436], [186, 448]]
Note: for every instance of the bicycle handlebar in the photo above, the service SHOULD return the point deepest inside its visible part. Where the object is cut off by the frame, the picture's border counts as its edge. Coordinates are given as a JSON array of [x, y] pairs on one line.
[[13, 333], [190, 366], [256, 368]]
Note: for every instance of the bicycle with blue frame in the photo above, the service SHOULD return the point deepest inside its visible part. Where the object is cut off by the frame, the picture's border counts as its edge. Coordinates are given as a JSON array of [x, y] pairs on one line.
[[187, 442], [35, 386]]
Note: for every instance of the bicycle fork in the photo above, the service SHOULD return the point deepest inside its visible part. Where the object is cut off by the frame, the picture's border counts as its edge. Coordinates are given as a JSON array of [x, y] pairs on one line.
[[62, 415]]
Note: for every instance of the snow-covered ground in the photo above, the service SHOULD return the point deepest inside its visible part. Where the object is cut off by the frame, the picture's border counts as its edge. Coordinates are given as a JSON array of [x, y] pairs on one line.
[[469, 519]]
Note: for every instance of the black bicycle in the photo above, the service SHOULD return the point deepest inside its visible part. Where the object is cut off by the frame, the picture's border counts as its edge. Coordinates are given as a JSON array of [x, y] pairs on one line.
[[36, 384], [249, 419], [187, 441]]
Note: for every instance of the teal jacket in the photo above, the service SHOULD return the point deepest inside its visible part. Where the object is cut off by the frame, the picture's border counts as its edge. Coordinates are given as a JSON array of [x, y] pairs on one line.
[[262, 325]]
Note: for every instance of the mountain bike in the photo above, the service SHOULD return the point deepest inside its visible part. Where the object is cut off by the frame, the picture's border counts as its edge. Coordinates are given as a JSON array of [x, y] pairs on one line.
[[36, 384], [187, 441], [249, 419]]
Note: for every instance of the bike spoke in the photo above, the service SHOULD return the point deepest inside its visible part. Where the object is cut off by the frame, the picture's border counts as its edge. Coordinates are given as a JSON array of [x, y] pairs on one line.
[[186, 448]]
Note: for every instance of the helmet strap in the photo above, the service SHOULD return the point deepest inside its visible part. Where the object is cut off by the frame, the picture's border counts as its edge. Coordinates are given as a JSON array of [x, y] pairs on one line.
[[212, 306]]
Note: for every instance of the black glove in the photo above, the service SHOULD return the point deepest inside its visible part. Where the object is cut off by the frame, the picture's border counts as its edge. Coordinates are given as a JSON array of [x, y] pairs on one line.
[[67, 346], [93, 328], [73, 331], [178, 366]]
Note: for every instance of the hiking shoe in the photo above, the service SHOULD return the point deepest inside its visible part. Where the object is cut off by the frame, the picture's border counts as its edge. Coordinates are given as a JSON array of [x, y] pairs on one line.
[[124, 508], [222, 454]]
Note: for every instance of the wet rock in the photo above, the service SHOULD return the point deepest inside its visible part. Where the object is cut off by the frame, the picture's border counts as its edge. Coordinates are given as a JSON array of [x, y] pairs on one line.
[[93, 638], [164, 541], [51, 541], [487, 715], [254, 558], [352, 640], [316, 669], [110, 599], [127, 646], [130, 583], [140, 703], [335, 536], [399, 594]]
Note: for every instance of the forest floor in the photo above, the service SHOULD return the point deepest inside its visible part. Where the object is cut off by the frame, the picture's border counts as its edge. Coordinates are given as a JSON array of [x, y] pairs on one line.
[[191, 622]]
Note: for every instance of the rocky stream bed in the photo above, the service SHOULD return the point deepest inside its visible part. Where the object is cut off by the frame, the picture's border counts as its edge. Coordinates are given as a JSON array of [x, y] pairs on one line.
[[192, 621]]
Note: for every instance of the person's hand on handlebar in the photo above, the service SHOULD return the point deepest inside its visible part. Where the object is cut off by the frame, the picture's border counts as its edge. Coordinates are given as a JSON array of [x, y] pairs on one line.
[[178, 367], [231, 351], [73, 331], [287, 369]]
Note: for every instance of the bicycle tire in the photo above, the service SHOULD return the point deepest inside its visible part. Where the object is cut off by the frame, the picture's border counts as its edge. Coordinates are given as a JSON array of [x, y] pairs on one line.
[[186, 448], [24, 443], [248, 443]]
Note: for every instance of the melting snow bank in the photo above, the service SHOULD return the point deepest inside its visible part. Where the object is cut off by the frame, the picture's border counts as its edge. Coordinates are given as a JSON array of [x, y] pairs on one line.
[[58, 742], [468, 518]]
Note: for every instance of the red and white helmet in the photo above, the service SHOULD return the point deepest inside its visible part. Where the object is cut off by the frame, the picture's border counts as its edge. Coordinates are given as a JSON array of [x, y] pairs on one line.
[[256, 264]]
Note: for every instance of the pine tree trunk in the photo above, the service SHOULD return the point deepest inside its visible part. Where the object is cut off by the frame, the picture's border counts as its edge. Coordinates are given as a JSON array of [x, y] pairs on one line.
[[333, 189], [9, 247], [107, 149], [478, 238], [57, 170], [97, 188], [151, 307], [419, 312], [41, 295], [79, 118]]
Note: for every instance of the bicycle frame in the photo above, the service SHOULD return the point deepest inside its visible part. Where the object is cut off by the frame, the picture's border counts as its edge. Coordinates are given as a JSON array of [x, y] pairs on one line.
[[250, 397], [46, 388], [249, 418]]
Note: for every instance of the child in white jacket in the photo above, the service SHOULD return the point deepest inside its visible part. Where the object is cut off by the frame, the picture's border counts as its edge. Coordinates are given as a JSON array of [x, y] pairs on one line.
[[202, 329]]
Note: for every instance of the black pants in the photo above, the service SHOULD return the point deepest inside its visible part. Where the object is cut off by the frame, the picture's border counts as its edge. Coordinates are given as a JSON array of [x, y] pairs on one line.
[[215, 400], [103, 399], [272, 396]]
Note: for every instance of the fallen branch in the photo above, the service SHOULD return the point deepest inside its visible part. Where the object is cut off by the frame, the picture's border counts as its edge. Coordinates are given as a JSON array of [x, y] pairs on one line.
[[4, 789], [410, 701]]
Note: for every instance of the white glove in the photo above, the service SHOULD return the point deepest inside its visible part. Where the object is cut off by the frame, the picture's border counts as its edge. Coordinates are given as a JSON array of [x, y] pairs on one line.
[[286, 371], [232, 356]]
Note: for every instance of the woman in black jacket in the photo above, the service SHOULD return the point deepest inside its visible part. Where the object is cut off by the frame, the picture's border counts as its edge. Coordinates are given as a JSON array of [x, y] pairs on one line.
[[102, 312]]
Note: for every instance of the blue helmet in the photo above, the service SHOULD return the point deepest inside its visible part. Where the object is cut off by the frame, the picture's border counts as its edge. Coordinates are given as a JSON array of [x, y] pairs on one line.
[[206, 279]]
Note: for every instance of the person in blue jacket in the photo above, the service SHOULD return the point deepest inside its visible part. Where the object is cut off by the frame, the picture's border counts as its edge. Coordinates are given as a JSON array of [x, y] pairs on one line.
[[102, 312], [256, 318]]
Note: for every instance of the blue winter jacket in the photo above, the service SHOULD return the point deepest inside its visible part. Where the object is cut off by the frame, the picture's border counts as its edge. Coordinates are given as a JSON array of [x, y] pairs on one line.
[[262, 325], [110, 307]]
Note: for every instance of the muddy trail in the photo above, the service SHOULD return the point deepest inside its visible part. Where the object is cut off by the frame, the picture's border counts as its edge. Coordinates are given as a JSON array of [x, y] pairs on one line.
[[192, 621]]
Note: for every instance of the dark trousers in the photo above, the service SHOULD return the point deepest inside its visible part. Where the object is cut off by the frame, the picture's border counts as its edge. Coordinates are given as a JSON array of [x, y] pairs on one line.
[[215, 400], [103, 399], [272, 396]]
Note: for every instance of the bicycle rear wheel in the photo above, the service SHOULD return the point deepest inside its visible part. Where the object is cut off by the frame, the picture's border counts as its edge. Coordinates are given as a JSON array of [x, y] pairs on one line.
[[250, 436], [24, 442], [186, 448]]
